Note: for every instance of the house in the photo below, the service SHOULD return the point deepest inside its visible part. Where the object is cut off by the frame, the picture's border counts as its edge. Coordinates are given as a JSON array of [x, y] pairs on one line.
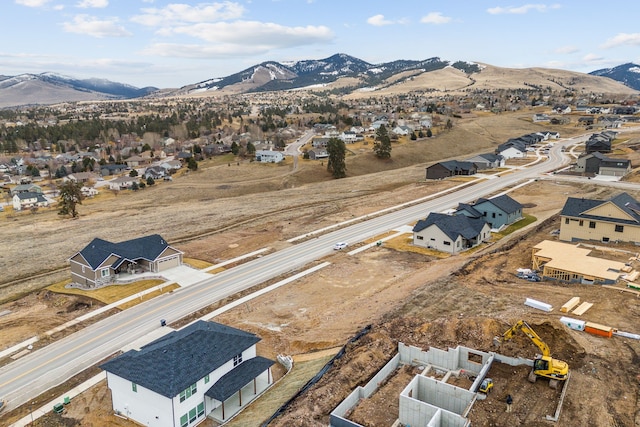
[[28, 199], [26, 188], [450, 233], [101, 261], [348, 137], [598, 163], [317, 154], [402, 130], [268, 156], [155, 172], [449, 168], [135, 161], [171, 165], [112, 169], [487, 161], [82, 177], [541, 117], [617, 219], [499, 211], [512, 150], [122, 183], [600, 142], [320, 142], [204, 370], [88, 191]]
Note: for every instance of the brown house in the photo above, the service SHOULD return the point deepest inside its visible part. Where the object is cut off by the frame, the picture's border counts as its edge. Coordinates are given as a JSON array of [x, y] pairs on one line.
[[102, 262]]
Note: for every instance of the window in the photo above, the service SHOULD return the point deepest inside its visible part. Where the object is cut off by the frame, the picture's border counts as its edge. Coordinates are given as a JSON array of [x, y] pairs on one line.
[[592, 224], [581, 223], [620, 228], [134, 387], [237, 359], [566, 220], [200, 409], [605, 239], [447, 243], [206, 378], [419, 237], [192, 415], [104, 272], [493, 214], [184, 420], [184, 395]]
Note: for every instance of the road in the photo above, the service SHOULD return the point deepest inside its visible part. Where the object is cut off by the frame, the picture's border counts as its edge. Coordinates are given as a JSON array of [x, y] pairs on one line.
[[45, 368]]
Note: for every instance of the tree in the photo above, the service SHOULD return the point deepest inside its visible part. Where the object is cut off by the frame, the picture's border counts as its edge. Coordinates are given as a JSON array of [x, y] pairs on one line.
[[192, 165], [70, 197], [150, 181], [382, 145], [133, 173], [429, 133], [337, 152]]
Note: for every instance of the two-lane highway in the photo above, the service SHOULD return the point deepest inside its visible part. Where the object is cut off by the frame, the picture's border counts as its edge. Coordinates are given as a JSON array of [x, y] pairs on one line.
[[47, 367]]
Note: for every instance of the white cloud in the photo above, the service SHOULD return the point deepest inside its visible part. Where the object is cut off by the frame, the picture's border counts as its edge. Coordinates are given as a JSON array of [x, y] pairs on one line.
[[85, 4], [378, 21], [32, 3], [92, 26], [622, 39], [566, 49], [592, 58], [435, 18], [238, 38], [177, 13], [519, 10]]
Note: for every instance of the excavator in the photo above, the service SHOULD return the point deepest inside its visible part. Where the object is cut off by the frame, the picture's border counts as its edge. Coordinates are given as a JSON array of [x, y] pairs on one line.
[[543, 365]]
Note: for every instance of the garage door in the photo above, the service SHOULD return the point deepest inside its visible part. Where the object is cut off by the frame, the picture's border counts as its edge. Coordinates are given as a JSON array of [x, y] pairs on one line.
[[166, 263]]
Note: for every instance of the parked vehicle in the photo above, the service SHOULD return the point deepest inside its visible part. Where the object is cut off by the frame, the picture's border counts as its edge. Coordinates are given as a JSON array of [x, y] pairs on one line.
[[486, 386], [340, 245]]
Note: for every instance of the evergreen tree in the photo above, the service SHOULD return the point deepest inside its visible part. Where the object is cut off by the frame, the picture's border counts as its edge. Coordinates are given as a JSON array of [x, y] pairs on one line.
[[192, 164], [70, 197], [382, 145], [337, 152]]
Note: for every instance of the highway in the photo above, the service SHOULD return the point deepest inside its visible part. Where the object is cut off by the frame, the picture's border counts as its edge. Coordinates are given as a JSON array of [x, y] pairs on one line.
[[49, 366]]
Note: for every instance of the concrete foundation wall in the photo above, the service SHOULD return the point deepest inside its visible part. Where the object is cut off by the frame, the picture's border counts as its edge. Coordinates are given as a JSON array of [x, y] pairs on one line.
[[427, 401], [513, 361]]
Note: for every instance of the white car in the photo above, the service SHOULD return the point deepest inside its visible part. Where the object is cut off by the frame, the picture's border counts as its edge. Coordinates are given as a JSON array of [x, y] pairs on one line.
[[339, 245]]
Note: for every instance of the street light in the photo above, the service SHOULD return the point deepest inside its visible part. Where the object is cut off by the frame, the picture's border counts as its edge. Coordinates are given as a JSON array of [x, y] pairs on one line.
[[32, 412]]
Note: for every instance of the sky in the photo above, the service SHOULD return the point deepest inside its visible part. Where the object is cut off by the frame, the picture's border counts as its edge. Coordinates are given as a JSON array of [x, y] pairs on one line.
[[169, 44]]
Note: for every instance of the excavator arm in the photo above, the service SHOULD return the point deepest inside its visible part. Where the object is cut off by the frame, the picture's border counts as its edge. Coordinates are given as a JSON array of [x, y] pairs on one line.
[[528, 331]]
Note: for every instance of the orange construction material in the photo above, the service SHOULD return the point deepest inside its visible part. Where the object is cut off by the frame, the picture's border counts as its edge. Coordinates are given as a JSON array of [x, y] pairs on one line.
[[597, 329]]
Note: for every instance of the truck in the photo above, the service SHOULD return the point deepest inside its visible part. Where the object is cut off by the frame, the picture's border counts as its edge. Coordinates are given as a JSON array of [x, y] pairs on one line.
[[543, 365]]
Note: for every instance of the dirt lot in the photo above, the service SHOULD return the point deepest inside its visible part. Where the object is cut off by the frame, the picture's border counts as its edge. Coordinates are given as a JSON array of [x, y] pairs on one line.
[[409, 297]]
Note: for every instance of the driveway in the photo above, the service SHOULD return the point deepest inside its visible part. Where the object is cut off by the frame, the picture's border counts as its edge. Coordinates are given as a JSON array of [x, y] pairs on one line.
[[185, 275]]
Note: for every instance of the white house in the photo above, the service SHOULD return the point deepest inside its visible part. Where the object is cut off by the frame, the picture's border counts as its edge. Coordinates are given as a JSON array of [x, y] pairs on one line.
[[88, 191], [450, 233], [203, 370], [348, 137], [27, 200], [268, 156], [122, 182]]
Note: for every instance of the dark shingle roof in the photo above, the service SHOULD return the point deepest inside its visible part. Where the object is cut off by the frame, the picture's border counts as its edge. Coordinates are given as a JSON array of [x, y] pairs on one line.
[[470, 210], [240, 376], [505, 203], [454, 165], [452, 225], [148, 247], [172, 363], [575, 207]]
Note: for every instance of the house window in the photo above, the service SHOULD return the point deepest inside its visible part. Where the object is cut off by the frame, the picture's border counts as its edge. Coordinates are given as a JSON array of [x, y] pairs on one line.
[[592, 224], [192, 415], [237, 359], [184, 420], [200, 409], [104, 272], [83, 269], [493, 214], [581, 223], [620, 228], [447, 243], [566, 220], [206, 378], [134, 387], [184, 395], [420, 237], [605, 239]]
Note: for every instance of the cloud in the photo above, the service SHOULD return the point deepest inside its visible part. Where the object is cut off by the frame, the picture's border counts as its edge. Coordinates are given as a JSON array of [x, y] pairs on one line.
[[520, 10], [378, 21], [92, 26], [435, 18], [179, 14], [238, 38], [592, 58], [85, 4], [566, 49], [622, 39], [32, 3]]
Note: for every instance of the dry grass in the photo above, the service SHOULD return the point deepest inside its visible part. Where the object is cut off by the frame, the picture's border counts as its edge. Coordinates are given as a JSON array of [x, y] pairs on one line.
[[151, 295], [197, 263], [113, 293]]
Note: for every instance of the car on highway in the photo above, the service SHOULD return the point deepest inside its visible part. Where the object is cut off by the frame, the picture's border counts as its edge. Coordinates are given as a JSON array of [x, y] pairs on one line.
[[340, 245]]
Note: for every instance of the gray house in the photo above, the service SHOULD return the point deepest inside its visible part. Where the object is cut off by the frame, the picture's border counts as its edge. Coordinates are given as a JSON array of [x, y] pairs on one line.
[[499, 211], [449, 168], [598, 163], [487, 161]]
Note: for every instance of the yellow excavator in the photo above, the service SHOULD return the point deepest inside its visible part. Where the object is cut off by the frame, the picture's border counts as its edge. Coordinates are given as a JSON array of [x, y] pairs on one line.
[[543, 365]]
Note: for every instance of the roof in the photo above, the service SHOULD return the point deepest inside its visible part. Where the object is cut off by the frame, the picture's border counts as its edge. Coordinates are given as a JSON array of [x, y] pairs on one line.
[[571, 258], [172, 363], [454, 165], [470, 210], [575, 207], [30, 195], [453, 225], [148, 247], [240, 376], [505, 203]]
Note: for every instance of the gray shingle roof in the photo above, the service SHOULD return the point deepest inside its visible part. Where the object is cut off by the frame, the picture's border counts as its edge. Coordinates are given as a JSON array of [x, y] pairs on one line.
[[575, 207], [505, 203], [454, 165], [148, 247], [172, 363], [452, 225], [240, 376]]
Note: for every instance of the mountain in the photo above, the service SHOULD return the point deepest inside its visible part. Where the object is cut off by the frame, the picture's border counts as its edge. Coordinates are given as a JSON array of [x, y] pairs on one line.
[[628, 74], [50, 88]]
